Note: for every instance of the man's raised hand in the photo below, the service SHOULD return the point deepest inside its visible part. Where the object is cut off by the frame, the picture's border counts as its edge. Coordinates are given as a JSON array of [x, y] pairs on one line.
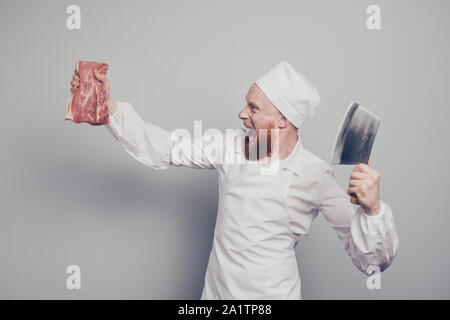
[[112, 106], [365, 183]]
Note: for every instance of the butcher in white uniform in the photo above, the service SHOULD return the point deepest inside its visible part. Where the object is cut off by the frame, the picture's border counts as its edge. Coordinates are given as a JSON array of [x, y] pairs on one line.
[[261, 216]]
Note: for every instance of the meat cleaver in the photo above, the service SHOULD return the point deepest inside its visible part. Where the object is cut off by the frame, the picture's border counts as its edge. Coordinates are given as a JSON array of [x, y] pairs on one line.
[[355, 138]]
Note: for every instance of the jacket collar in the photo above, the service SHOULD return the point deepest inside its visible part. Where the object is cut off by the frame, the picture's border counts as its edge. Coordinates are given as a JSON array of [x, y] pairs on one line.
[[293, 161]]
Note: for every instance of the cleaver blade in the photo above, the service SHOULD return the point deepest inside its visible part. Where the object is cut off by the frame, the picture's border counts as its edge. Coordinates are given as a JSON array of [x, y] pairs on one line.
[[356, 136]]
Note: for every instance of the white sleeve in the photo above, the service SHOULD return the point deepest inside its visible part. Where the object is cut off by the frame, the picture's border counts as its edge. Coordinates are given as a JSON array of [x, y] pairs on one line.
[[154, 146], [370, 241]]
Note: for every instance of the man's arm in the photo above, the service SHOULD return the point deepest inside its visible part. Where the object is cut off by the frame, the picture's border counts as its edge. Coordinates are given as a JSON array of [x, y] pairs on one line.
[[148, 143], [369, 238], [145, 142]]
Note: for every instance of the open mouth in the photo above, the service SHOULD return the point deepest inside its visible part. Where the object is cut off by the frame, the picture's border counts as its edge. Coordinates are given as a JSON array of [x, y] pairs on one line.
[[250, 135]]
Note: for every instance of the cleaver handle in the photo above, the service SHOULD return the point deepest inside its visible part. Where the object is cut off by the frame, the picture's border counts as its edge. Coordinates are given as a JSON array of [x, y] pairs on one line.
[[354, 199], [353, 196]]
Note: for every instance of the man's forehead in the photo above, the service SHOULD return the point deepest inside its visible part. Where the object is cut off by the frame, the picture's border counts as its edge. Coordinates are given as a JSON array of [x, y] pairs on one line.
[[255, 95]]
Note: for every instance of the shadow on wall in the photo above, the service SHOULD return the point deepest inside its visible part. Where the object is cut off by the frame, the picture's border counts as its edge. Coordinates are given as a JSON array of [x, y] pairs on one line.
[[86, 189], [116, 191]]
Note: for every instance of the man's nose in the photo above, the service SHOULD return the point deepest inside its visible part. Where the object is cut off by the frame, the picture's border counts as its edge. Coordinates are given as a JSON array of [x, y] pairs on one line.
[[243, 114]]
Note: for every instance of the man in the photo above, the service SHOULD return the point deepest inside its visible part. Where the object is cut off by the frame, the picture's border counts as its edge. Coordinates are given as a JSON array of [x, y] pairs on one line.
[[261, 216]]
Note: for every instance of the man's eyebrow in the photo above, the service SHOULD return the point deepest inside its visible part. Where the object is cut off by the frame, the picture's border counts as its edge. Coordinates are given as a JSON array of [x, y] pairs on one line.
[[253, 104]]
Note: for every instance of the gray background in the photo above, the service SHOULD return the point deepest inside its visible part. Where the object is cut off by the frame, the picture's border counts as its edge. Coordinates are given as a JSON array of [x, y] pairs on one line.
[[69, 194]]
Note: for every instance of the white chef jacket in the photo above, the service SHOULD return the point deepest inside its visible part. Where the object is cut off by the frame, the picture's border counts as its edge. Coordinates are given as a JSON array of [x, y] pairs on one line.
[[261, 216]]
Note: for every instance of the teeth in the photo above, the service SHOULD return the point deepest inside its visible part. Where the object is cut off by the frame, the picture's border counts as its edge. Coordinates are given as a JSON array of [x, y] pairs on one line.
[[251, 133]]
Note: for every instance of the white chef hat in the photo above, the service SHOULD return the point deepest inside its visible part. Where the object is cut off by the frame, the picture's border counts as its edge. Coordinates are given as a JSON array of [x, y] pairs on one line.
[[290, 92]]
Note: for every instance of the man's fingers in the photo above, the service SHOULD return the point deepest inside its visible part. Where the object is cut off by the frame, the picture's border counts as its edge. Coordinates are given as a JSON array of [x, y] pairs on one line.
[[75, 83], [362, 167], [355, 183], [356, 190], [351, 190], [359, 175]]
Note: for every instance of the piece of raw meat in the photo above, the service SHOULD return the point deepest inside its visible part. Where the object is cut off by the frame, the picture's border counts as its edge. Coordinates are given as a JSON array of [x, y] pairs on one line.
[[87, 102]]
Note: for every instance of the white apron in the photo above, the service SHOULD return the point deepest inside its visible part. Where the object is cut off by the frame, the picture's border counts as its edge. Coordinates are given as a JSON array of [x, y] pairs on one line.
[[252, 255], [253, 249]]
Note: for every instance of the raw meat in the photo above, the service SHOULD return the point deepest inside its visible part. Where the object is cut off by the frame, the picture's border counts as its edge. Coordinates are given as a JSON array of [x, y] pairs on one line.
[[87, 102]]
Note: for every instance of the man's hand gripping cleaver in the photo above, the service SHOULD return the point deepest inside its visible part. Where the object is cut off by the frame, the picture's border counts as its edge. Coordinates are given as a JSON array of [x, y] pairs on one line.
[[355, 138]]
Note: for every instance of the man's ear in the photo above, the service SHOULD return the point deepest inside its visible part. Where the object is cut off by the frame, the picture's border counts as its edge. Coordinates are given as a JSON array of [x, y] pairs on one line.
[[283, 122]]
